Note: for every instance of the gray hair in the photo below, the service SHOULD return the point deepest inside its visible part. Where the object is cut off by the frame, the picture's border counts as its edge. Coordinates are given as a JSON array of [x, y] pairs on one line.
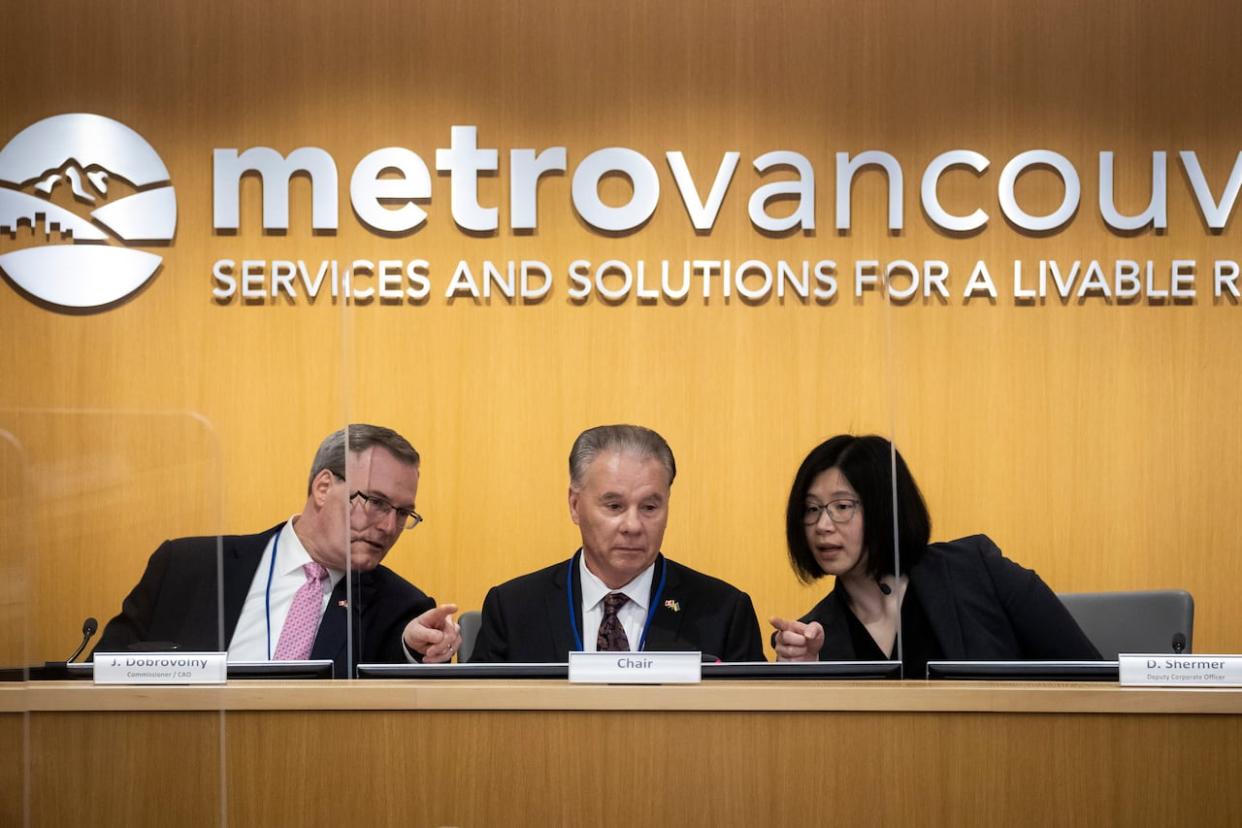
[[620, 438], [358, 437]]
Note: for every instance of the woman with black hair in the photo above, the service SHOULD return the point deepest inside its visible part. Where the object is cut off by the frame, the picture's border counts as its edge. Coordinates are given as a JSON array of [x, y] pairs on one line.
[[850, 517]]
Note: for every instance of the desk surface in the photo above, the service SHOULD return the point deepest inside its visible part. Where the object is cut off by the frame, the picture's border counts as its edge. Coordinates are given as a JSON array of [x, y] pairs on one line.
[[533, 694]]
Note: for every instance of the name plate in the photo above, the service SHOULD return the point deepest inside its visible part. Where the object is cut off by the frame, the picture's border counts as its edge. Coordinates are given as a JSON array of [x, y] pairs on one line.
[[1196, 670], [636, 668], [161, 668]]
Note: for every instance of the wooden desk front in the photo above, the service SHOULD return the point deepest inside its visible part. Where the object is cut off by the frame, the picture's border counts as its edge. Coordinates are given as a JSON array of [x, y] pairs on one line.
[[546, 753]]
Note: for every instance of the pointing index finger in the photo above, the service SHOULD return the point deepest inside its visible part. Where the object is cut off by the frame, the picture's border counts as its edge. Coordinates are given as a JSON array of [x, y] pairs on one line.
[[435, 617], [780, 623]]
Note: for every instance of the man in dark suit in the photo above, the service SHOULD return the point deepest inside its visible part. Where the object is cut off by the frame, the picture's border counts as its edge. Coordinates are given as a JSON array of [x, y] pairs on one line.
[[618, 592], [289, 592]]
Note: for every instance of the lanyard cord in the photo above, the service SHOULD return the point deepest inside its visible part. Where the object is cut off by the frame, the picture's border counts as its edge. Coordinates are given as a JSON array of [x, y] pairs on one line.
[[573, 615], [267, 598]]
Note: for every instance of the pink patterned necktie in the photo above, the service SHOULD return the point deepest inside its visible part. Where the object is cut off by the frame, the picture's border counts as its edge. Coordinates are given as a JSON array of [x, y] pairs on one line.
[[302, 623]]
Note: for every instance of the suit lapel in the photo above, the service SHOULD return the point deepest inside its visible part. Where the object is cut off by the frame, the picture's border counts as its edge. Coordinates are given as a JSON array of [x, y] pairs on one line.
[[330, 641], [670, 612], [241, 561], [931, 580], [556, 607]]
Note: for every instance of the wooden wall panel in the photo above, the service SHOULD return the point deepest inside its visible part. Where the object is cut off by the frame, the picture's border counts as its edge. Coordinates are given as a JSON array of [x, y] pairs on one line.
[[617, 767], [179, 754], [1095, 442], [14, 769]]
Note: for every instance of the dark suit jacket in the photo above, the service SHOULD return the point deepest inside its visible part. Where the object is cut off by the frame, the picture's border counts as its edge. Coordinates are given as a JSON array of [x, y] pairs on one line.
[[177, 601], [981, 607], [527, 619]]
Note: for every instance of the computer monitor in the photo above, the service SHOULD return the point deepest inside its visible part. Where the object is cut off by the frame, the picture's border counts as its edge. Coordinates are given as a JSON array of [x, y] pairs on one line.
[[721, 670], [1023, 670]]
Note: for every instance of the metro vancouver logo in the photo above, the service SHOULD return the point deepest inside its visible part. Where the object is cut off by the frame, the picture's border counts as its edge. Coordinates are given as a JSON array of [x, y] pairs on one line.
[[79, 191], [76, 191]]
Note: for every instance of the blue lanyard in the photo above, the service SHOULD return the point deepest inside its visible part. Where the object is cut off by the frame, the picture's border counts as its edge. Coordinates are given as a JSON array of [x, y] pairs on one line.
[[573, 615], [267, 598]]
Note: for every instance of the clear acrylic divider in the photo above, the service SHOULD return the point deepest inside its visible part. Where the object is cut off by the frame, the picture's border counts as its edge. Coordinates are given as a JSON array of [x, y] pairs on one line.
[[88, 496], [16, 564]]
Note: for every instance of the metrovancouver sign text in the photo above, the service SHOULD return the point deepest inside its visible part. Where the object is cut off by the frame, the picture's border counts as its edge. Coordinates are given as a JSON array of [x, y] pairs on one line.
[[389, 188], [388, 185]]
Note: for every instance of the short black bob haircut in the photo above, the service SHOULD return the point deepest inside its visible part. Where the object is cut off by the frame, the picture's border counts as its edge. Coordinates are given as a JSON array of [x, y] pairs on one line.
[[867, 463]]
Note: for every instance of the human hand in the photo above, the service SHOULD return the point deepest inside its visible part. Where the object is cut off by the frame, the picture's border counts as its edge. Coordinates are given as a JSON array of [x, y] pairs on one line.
[[795, 641], [434, 635]]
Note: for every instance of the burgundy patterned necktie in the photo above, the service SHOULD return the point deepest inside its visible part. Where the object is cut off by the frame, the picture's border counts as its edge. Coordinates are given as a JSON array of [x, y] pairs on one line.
[[302, 623], [611, 634]]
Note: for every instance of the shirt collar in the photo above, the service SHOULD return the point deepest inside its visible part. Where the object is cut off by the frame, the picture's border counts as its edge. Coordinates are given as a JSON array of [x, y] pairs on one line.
[[291, 555], [593, 589]]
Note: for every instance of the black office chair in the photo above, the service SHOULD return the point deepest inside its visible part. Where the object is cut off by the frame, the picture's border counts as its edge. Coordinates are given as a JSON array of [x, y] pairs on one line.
[[1147, 621]]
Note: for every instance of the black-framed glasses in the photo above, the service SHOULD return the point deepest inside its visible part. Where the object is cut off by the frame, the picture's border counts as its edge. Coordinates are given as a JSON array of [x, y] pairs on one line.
[[378, 508], [841, 510]]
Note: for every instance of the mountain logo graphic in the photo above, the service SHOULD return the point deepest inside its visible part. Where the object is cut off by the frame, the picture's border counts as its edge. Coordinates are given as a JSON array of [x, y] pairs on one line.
[[117, 180]]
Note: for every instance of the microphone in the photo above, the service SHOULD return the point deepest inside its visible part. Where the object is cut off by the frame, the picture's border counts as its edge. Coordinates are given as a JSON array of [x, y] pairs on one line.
[[89, 627], [1179, 643]]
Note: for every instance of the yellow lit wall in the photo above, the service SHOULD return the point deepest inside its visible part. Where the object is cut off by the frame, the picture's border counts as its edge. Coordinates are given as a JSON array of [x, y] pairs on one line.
[[1095, 441]]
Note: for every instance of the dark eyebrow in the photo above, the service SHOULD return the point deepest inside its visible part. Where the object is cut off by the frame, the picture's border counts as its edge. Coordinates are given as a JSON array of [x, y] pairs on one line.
[[813, 501]]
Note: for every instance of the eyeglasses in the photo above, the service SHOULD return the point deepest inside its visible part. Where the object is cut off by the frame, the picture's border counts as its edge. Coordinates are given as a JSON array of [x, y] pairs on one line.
[[839, 511], [378, 509]]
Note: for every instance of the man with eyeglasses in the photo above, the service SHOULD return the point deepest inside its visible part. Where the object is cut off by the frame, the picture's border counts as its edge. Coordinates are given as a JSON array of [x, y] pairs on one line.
[[617, 592], [285, 594]]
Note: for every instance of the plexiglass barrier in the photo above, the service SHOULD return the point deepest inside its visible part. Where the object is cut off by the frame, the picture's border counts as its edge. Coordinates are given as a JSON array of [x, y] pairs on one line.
[[88, 498]]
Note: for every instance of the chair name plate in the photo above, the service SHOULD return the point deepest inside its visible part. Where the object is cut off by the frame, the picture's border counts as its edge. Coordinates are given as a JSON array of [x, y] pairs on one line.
[[636, 668]]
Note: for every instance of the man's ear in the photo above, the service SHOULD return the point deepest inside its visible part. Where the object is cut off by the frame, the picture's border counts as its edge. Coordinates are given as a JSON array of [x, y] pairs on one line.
[[321, 485], [573, 505]]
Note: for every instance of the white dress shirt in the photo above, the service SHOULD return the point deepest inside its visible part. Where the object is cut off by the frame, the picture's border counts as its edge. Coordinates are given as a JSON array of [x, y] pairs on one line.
[[250, 639], [632, 615]]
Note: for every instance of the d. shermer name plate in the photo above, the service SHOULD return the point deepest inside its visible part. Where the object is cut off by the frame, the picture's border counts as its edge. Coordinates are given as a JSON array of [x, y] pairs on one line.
[[1164, 670], [161, 668], [636, 668]]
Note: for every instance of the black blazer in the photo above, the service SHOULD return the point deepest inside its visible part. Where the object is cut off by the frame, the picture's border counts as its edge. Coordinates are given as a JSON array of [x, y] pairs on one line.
[[526, 620], [981, 607], [177, 600]]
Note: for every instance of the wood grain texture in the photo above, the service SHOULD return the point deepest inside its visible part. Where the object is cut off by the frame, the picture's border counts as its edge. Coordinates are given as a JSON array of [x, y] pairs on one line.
[[540, 695], [614, 768], [14, 768], [152, 769], [1097, 443]]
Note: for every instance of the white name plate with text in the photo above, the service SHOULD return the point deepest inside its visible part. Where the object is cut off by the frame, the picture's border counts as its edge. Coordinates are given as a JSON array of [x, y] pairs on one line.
[[161, 668], [636, 668], [1164, 670]]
